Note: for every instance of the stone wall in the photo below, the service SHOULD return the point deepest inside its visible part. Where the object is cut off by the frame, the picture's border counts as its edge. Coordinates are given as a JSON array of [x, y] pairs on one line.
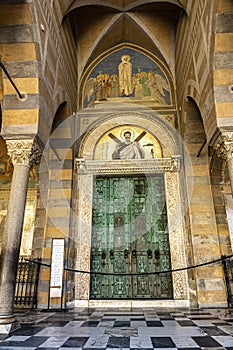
[[205, 245], [18, 53], [222, 65], [194, 67], [203, 52], [41, 59], [38, 50]]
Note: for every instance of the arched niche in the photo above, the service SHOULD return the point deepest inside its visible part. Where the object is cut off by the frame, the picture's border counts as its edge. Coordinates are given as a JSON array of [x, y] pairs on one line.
[[168, 166], [149, 84], [151, 122]]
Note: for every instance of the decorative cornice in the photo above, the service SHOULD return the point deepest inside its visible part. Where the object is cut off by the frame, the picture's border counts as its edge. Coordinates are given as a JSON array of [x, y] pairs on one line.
[[224, 145], [136, 166], [23, 152]]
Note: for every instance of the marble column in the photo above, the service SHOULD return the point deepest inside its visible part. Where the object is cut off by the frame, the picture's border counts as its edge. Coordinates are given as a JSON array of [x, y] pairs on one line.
[[21, 152], [224, 147]]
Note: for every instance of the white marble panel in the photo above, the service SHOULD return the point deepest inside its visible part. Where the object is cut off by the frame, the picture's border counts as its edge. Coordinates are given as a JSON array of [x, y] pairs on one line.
[[226, 341], [18, 338], [72, 331], [138, 323], [97, 342], [140, 342], [65, 348], [74, 324], [202, 323], [228, 329], [169, 331], [106, 323], [184, 342], [55, 341]]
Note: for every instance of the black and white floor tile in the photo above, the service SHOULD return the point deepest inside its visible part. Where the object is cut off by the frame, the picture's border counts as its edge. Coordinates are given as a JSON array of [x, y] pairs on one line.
[[147, 329]]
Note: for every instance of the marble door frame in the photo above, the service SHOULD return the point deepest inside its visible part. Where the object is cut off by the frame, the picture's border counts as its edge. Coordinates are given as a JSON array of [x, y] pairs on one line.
[[86, 171]]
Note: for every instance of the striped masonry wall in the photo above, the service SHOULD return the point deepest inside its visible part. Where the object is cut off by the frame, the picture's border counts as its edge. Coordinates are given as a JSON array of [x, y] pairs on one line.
[[194, 80], [54, 210], [223, 64], [18, 53], [39, 53], [194, 61], [222, 198], [204, 240]]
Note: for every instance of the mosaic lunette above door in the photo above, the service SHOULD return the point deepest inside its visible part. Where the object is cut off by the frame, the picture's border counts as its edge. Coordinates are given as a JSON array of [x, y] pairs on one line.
[[126, 76], [127, 142]]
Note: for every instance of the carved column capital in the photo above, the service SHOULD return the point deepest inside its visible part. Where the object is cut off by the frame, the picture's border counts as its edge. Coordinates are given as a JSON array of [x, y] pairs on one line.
[[224, 145], [36, 153], [23, 152]]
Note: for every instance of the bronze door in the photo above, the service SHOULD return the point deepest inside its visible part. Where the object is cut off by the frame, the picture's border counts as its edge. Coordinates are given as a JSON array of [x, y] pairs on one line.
[[130, 236]]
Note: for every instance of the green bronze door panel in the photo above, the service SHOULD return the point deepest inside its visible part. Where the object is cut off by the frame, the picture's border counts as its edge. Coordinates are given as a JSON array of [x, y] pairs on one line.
[[129, 235]]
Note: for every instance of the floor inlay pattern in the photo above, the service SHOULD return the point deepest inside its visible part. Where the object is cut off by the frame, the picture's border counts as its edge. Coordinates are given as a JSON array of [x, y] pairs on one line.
[[100, 329]]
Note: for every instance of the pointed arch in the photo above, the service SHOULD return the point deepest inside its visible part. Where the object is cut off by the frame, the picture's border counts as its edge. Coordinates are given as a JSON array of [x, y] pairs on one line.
[[165, 69]]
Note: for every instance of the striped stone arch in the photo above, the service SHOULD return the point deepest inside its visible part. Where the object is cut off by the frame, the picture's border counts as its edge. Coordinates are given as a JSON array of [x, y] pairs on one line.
[[60, 97], [192, 91]]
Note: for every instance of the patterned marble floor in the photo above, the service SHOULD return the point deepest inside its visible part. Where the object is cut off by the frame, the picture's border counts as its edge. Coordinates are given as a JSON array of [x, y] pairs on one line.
[[149, 328]]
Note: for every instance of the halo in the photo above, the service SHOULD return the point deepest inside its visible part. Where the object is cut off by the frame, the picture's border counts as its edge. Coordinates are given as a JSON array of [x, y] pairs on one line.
[[132, 132], [128, 56], [100, 76]]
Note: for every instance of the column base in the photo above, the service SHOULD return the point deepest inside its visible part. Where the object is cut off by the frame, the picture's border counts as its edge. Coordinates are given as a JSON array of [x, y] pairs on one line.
[[8, 324]]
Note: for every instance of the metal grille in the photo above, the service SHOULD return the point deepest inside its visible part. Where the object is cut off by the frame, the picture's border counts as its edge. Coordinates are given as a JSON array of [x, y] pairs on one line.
[[228, 270], [26, 283]]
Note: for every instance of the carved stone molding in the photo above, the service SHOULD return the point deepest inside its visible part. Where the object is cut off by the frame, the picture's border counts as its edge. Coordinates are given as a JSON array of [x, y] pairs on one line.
[[176, 236], [23, 152], [134, 166], [84, 226], [224, 146]]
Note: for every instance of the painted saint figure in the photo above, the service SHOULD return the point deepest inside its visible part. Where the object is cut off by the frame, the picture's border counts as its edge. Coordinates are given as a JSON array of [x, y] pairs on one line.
[[125, 76], [128, 149]]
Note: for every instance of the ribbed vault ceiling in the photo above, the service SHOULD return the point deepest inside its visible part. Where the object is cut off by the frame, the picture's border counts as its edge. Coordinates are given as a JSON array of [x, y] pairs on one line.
[[100, 26]]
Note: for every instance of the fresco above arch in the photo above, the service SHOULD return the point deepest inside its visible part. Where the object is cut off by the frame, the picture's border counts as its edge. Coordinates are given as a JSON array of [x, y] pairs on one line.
[[127, 142], [126, 76]]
